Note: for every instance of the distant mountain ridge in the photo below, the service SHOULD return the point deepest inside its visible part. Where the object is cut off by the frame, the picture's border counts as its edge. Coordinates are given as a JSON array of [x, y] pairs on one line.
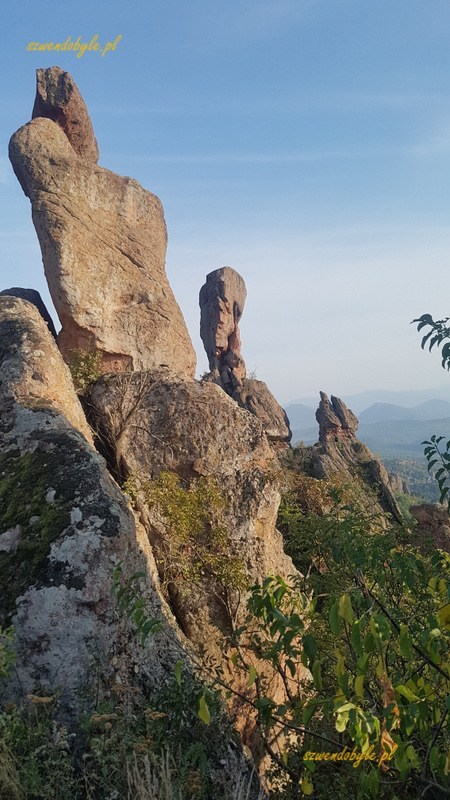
[[408, 398]]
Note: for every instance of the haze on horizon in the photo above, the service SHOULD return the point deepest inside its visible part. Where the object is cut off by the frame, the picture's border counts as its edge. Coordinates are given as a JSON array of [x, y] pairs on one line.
[[306, 143]]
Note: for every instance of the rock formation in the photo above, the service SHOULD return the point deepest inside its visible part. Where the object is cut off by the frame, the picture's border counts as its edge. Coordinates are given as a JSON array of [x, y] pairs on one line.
[[64, 524], [32, 371], [222, 300], [433, 526], [157, 423], [58, 98], [336, 421], [339, 451], [33, 297], [103, 240], [64, 528]]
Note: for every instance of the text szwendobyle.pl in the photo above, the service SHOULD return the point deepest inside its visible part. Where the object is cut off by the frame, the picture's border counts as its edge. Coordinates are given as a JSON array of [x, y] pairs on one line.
[[78, 47], [355, 756]]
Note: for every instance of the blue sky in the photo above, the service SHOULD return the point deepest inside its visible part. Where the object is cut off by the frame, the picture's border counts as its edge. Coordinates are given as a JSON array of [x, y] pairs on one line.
[[306, 143]]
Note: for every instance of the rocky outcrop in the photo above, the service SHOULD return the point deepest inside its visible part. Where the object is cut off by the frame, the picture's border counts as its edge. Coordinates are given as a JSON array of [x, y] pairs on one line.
[[158, 424], [222, 300], [433, 526], [255, 397], [64, 529], [336, 421], [339, 451], [103, 241], [33, 374], [35, 298], [64, 526], [58, 99]]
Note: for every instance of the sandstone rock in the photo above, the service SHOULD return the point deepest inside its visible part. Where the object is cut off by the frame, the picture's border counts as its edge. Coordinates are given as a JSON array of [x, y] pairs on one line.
[[58, 98], [339, 451], [103, 241], [433, 524], [64, 528], [335, 419], [32, 370], [157, 423], [255, 397], [222, 300], [33, 297]]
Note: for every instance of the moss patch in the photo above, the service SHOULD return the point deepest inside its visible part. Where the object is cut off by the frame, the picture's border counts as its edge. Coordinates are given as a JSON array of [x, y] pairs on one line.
[[24, 482]]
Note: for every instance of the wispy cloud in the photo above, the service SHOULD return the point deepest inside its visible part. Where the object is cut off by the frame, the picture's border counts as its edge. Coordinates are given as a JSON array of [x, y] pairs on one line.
[[301, 157]]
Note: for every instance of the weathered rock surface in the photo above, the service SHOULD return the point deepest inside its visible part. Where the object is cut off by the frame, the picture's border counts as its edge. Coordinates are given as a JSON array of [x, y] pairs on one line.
[[339, 451], [222, 300], [64, 528], [33, 373], [103, 241], [255, 397], [33, 297], [157, 423], [58, 98], [433, 524], [336, 421]]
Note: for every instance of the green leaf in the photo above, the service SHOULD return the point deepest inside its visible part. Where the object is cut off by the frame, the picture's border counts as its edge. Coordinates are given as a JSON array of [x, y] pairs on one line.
[[177, 671], [355, 638], [317, 674], [405, 642], [359, 685], [307, 786], [252, 675], [333, 618], [345, 609], [403, 690], [203, 710], [309, 646]]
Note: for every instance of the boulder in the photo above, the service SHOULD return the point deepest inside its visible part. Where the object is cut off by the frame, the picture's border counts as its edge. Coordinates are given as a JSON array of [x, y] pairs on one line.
[[103, 241], [156, 424], [58, 99], [255, 397], [33, 373], [33, 297], [336, 421]]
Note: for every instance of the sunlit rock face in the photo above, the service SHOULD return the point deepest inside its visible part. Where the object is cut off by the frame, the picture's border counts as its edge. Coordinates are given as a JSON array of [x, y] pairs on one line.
[[103, 240]]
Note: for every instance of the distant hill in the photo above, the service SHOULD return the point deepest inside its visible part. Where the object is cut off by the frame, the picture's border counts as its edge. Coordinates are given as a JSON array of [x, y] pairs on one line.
[[359, 402], [381, 412], [301, 416]]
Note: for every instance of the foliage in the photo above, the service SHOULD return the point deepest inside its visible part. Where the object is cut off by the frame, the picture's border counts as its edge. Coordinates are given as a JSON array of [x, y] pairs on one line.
[[131, 603], [7, 654], [161, 751], [196, 545], [85, 367], [439, 331], [370, 620], [437, 454]]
